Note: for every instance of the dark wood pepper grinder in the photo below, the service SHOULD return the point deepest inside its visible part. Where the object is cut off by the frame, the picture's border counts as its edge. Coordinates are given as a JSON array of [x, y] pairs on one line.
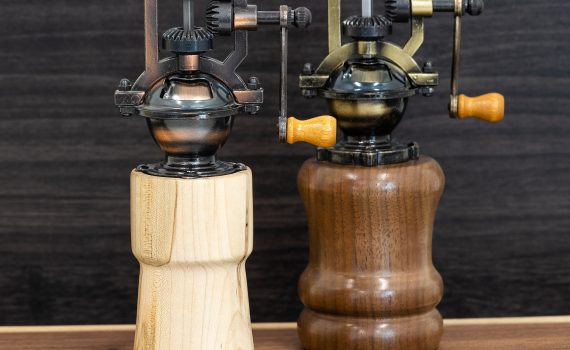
[[370, 201]]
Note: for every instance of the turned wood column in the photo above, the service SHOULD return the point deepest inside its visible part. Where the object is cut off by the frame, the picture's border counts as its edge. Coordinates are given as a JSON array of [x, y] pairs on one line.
[[370, 282], [192, 238]]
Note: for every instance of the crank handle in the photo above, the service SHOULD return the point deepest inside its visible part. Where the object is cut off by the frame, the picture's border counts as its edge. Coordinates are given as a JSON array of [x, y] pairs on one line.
[[318, 131], [489, 107]]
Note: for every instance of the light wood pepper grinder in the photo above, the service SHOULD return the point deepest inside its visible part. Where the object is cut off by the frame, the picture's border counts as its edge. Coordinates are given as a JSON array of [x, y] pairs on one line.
[[192, 214], [370, 201]]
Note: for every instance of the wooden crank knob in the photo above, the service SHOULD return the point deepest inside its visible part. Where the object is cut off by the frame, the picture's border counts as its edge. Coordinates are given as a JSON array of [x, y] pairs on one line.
[[488, 107], [318, 131]]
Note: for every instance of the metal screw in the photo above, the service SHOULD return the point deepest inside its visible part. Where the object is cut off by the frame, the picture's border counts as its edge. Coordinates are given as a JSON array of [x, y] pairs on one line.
[[428, 67], [308, 69], [309, 93], [253, 83], [252, 109], [125, 85], [427, 91], [126, 111], [414, 151]]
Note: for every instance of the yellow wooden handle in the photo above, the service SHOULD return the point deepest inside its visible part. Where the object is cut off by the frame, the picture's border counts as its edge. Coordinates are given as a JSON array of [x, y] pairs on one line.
[[319, 131], [489, 107]]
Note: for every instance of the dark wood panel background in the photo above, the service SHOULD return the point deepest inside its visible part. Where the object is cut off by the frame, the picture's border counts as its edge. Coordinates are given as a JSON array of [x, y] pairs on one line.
[[502, 233]]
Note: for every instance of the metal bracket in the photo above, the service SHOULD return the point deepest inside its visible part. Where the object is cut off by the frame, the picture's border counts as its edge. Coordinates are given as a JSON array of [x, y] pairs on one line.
[[156, 69], [385, 50], [128, 98], [335, 35], [417, 38]]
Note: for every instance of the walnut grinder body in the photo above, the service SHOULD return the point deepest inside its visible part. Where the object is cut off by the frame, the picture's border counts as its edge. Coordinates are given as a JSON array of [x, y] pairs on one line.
[[370, 282]]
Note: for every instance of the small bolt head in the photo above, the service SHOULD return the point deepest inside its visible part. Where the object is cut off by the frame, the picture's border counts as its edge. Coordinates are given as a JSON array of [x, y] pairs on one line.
[[252, 109], [427, 91], [126, 112], [308, 69], [414, 151], [125, 85], [475, 7], [428, 67], [309, 93], [253, 83]]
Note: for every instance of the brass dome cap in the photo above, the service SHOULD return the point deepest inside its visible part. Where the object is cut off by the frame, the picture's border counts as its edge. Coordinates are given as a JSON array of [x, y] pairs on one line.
[[368, 97]]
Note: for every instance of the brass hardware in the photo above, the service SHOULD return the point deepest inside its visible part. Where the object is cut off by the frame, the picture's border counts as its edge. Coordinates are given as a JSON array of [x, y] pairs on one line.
[[456, 49], [335, 40], [453, 103], [381, 116], [417, 38], [367, 48], [458, 8], [312, 81], [422, 8], [424, 79], [489, 107], [383, 50], [350, 77]]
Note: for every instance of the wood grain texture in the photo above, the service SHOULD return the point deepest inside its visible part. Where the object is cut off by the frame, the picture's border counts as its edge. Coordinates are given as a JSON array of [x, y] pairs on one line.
[[502, 233], [317, 131], [370, 282], [496, 334], [192, 238], [155, 215], [489, 107]]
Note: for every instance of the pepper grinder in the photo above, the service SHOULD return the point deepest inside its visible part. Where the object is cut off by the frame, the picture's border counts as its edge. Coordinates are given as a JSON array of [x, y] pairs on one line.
[[191, 214], [370, 200]]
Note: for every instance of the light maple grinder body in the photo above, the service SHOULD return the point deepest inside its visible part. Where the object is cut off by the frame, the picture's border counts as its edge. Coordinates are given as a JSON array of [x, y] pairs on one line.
[[192, 214]]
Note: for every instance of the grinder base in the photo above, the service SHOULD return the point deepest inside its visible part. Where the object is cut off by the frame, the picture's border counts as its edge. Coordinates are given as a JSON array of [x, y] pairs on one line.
[[370, 282], [192, 238]]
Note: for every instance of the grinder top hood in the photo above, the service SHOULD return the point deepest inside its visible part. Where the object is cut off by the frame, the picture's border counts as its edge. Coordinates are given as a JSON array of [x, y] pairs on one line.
[[372, 78], [196, 95]]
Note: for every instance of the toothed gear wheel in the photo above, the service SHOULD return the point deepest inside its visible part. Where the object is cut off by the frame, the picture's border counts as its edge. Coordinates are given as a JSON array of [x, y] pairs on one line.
[[182, 41], [367, 28], [398, 10], [219, 17]]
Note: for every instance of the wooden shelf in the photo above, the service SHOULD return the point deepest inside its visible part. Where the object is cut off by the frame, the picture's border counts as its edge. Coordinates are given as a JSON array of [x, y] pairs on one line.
[[543, 333]]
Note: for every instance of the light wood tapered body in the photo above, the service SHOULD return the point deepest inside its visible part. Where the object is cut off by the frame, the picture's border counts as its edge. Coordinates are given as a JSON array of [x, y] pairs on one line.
[[370, 283], [192, 238]]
